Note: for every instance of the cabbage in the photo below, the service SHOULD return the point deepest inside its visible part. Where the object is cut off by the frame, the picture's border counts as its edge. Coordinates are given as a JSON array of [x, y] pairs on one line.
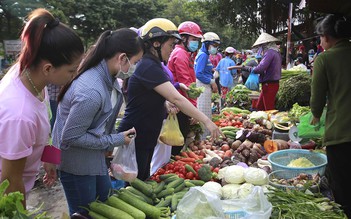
[[234, 174], [256, 176], [230, 191], [245, 190], [213, 187]]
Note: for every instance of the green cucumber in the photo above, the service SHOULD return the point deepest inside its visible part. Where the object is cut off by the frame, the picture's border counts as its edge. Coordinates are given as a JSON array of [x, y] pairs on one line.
[[108, 211], [197, 182], [165, 192], [124, 206], [190, 169], [170, 179], [165, 176], [179, 188], [142, 187], [175, 183], [150, 211], [159, 187]]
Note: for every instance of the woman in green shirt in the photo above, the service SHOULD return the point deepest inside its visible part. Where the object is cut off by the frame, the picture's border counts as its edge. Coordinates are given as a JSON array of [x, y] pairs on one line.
[[331, 86]]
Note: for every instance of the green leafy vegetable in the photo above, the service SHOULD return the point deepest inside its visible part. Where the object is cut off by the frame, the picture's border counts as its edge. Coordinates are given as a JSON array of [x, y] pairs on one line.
[[11, 205], [194, 92], [297, 204]]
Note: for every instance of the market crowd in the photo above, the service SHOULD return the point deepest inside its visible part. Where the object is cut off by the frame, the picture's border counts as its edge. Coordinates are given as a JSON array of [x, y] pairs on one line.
[[151, 69]]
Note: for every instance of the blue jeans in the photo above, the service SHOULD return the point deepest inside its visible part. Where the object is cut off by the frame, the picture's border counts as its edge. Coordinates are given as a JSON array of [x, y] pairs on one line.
[[81, 190]]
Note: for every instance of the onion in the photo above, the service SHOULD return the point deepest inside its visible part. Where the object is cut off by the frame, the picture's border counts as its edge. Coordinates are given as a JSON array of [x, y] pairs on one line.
[[242, 164]]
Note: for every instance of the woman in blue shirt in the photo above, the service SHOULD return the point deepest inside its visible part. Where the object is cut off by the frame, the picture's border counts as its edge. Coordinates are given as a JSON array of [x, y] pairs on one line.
[[204, 76], [86, 116]]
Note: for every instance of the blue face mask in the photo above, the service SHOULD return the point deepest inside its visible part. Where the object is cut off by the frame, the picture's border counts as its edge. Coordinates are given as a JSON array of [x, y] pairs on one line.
[[212, 50], [193, 46]]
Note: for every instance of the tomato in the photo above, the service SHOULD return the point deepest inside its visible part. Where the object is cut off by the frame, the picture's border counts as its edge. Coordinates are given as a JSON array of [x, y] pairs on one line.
[[157, 178], [168, 171], [169, 166], [189, 175], [182, 170], [181, 175], [196, 167], [216, 169], [176, 168], [160, 171]]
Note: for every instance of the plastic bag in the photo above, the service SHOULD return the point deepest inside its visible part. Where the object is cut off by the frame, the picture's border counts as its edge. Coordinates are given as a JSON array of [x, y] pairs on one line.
[[170, 132], [255, 205], [162, 155], [124, 165], [306, 130], [252, 82], [198, 203]]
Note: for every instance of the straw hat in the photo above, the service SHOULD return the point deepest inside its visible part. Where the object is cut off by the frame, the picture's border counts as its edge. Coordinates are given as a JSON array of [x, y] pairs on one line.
[[265, 38]]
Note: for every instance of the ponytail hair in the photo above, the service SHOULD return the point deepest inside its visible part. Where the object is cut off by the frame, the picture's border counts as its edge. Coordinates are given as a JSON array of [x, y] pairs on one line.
[[44, 37], [109, 43], [336, 26]]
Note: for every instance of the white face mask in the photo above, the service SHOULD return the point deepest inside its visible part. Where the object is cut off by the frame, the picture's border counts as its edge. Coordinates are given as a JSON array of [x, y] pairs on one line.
[[212, 50], [123, 75]]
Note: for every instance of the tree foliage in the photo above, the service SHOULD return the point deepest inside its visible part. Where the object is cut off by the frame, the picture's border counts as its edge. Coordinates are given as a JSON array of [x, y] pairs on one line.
[[238, 22]]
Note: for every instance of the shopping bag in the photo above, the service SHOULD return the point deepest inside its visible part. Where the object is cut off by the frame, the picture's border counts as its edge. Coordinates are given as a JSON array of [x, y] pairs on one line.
[[252, 81], [170, 132], [124, 165], [306, 130], [162, 155]]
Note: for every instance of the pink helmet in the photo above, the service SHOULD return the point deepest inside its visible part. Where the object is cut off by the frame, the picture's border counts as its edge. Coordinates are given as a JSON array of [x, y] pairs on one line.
[[190, 28]]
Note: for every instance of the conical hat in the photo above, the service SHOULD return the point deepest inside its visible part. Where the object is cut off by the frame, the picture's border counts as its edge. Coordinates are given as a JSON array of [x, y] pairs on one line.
[[265, 38]]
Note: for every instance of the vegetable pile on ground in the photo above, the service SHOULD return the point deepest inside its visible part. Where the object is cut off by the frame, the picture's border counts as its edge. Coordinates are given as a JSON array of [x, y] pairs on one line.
[[194, 92], [296, 89], [239, 96], [297, 204]]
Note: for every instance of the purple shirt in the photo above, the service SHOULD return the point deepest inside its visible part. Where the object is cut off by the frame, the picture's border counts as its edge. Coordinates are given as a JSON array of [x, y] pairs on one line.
[[270, 67], [170, 74]]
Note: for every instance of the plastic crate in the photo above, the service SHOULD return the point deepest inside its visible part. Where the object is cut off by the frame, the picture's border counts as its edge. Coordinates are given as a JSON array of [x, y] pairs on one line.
[[280, 159]]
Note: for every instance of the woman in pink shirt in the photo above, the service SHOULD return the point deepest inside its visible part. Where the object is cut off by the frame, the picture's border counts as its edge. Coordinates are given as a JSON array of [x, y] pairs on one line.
[[51, 53]]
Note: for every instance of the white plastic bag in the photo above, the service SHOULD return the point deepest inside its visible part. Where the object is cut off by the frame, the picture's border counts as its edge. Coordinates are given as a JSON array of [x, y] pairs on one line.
[[161, 156], [198, 203], [124, 165], [256, 205]]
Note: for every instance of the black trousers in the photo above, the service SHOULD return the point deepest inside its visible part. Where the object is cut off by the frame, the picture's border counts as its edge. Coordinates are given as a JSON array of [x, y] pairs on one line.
[[184, 125], [144, 156], [339, 164]]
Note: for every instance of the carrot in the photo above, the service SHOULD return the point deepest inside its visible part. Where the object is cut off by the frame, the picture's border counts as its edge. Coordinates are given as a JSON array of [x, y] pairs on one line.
[[188, 159], [226, 113], [193, 155], [184, 154], [177, 157]]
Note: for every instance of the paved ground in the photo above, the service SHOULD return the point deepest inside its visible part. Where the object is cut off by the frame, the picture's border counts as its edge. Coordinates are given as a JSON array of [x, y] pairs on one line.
[[53, 200]]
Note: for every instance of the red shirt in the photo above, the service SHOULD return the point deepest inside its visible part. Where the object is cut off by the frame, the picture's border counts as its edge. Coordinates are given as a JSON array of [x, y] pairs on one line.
[[181, 64]]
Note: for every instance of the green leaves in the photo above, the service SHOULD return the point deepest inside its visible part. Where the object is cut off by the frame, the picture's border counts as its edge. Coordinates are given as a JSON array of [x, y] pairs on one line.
[[11, 205]]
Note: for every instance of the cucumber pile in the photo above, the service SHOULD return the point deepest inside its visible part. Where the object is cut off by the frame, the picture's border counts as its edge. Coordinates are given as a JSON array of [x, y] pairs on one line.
[[142, 200]]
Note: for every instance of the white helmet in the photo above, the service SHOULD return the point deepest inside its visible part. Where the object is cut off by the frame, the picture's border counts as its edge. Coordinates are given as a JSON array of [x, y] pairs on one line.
[[230, 50], [211, 37]]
